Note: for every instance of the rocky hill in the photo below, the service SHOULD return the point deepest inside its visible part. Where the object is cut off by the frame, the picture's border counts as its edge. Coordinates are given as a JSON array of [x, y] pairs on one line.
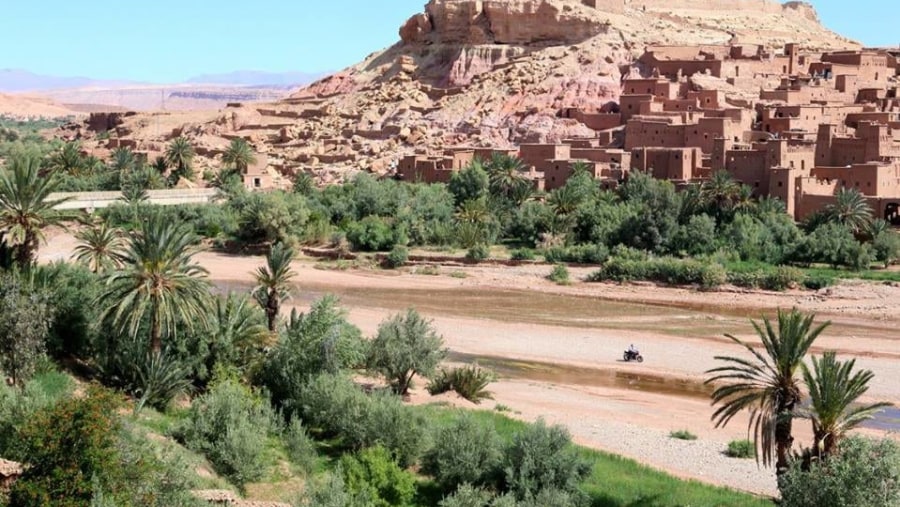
[[24, 107], [483, 72]]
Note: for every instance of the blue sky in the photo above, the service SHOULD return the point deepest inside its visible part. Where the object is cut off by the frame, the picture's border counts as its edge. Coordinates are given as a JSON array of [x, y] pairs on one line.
[[172, 40]]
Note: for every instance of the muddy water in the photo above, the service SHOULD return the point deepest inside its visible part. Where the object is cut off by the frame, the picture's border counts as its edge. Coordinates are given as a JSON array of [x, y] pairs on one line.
[[590, 377], [503, 305]]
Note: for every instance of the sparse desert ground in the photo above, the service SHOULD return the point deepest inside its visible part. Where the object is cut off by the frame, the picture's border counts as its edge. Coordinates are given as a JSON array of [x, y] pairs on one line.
[[558, 349]]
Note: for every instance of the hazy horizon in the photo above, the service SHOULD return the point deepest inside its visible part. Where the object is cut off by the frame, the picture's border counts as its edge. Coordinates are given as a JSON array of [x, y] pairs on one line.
[[172, 42]]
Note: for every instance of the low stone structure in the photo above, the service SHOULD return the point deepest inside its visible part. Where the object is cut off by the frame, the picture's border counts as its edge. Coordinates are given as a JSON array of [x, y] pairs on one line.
[[10, 471]]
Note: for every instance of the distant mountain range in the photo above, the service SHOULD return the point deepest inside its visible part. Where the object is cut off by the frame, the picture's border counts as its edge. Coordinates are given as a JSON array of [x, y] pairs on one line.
[[256, 78], [20, 80]]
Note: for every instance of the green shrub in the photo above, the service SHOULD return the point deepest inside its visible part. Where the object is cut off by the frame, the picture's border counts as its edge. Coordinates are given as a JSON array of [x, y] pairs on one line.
[[375, 478], [478, 253], [782, 278], [398, 257], [467, 496], [542, 457], [301, 449], [863, 473], [580, 254], [335, 407], [372, 234], [406, 345], [73, 327], [559, 275], [67, 445], [18, 406], [464, 452], [668, 270], [818, 282], [155, 378], [329, 491], [552, 498], [682, 435], [270, 217], [522, 254], [321, 340], [470, 382], [151, 475], [230, 425], [740, 449], [748, 279]]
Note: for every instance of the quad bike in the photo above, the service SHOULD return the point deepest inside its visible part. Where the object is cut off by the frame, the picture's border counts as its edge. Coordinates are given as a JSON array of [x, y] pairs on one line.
[[633, 356]]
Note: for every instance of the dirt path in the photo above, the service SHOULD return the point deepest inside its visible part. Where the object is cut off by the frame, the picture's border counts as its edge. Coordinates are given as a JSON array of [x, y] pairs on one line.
[[513, 314]]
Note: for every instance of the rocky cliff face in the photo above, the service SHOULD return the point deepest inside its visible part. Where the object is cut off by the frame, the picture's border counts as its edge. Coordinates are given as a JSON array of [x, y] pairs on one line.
[[523, 22], [495, 73]]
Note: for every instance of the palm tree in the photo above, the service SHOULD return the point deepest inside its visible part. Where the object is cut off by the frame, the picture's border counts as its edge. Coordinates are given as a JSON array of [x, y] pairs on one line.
[[69, 159], [876, 228], [505, 174], [720, 192], [833, 393], [273, 282], [473, 211], [160, 165], [849, 208], [99, 247], [159, 282], [26, 207], [237, 333], [122, 160], [768, 387], [180, 155], [239, 155], [770, 206], [566, 199]]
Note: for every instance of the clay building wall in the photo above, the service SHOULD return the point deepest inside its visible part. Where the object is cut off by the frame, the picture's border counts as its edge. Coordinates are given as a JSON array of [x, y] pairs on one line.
[[537, 155], [603, 155], [558, 172], [675, 164], [660, 88]]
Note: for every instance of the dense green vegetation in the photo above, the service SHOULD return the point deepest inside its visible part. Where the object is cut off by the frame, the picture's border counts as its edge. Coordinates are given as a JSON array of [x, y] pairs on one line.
[[644, 228], [173, 378]]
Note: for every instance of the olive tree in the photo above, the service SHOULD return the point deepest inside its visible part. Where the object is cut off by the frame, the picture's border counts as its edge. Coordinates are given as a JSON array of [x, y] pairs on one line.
[[25, 318], [406, 345]]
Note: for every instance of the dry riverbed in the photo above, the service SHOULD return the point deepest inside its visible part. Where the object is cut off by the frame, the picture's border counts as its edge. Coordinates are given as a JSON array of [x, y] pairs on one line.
[[558, 348]]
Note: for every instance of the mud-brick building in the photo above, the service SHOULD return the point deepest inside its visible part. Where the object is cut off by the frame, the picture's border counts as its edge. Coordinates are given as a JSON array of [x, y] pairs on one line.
[[879, 182]]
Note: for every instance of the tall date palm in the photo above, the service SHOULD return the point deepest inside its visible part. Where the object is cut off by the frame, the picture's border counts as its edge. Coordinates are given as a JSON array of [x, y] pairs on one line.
[[26, 207], [160, 283], [239, 155], [768, 386], [273, 282], [99, 247], [834, 389], [180, 155]]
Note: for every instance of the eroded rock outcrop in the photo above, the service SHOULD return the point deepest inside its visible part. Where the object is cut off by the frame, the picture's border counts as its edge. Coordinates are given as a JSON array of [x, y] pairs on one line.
[[502, 22]]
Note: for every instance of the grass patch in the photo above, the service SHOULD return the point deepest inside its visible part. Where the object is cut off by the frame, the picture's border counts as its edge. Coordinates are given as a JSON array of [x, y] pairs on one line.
[[428, 270], [458, 274], [740, 449], [682, 435]]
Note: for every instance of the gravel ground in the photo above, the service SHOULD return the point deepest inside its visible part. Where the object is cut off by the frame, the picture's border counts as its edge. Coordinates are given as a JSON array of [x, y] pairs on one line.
[[700, 459]]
